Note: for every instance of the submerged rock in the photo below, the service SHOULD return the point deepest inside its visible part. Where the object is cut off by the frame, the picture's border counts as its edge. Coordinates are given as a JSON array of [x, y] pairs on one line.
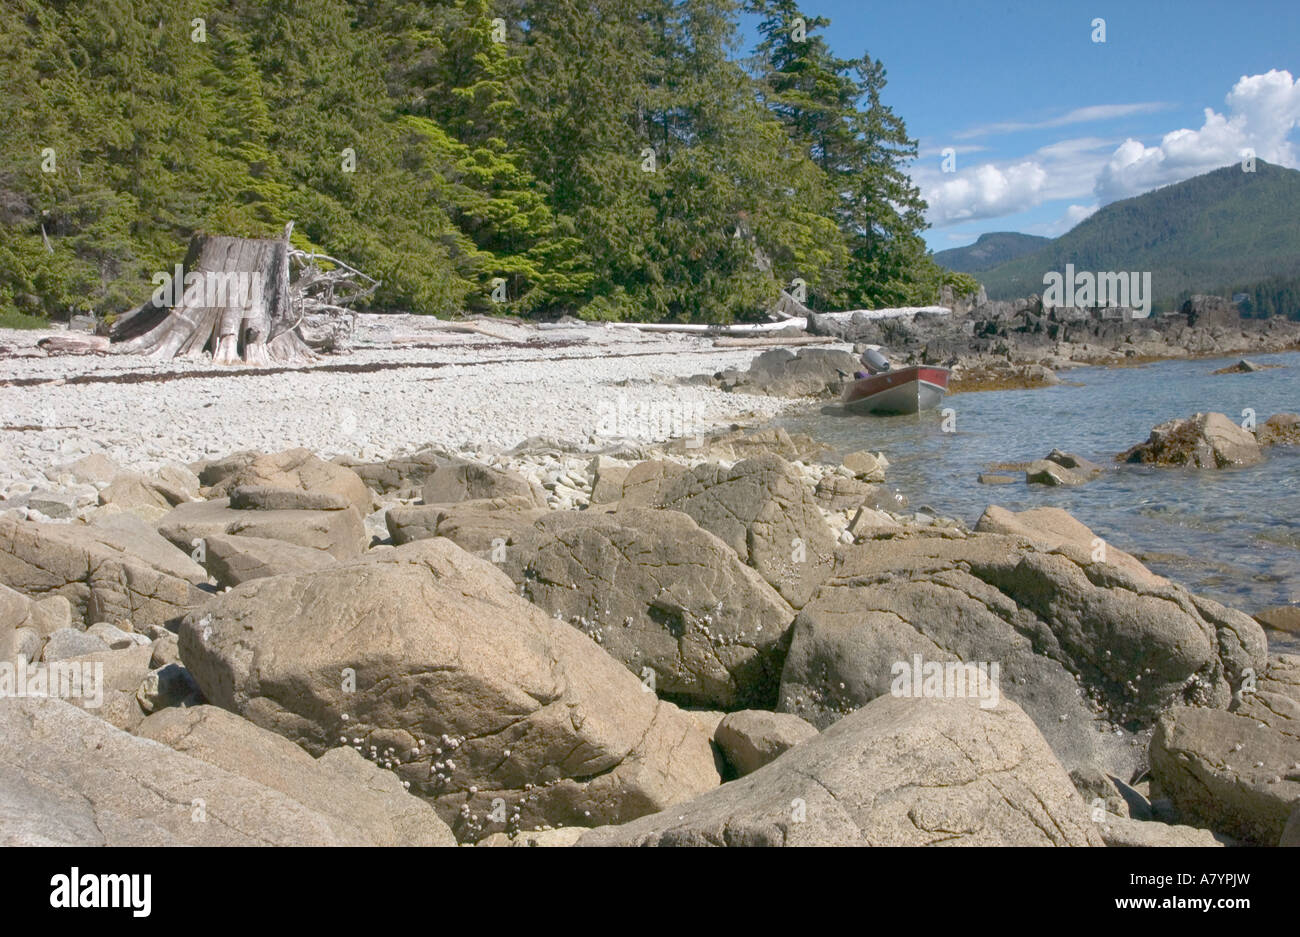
[[1204, 440]]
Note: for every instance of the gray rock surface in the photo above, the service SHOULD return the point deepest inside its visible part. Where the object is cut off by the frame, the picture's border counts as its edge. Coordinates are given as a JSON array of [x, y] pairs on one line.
[[340, 784], [751, 738], [297, 470], [341, 534], [232, 560], [92, 570], [1066, 631], [898, 772], [470, 693], [1236, 772], [657, 593], [761, 509], [469, 481], [69, 779]]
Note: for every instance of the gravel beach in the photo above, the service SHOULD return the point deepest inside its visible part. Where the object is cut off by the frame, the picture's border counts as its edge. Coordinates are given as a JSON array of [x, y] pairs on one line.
[[403, 386]]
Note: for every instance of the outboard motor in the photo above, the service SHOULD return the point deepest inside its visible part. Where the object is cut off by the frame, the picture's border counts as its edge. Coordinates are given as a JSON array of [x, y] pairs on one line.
[[876, 362]]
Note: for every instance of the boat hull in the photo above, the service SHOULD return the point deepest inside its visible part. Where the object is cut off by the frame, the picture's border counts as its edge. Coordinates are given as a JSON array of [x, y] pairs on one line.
[[905, 390]]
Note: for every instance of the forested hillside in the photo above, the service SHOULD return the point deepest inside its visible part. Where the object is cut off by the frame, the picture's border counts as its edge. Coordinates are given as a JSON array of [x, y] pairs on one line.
[[613, 160], [1222, 232], [989, 250]]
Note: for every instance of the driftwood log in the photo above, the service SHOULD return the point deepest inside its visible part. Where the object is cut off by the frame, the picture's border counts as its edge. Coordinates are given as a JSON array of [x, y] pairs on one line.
[[245, 301]]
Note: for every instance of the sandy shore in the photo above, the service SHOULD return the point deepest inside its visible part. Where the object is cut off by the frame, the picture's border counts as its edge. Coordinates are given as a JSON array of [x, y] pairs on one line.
[[403, 386]]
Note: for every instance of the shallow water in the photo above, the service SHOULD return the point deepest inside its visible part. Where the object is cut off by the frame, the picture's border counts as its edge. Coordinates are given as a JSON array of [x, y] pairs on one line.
[[1231, 534]]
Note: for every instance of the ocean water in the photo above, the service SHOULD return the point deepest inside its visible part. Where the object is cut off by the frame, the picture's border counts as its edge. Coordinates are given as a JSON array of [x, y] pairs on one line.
[[1232, 534]]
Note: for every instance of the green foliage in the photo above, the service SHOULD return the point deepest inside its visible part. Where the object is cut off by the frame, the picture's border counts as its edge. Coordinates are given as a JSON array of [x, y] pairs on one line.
[[404, 136]]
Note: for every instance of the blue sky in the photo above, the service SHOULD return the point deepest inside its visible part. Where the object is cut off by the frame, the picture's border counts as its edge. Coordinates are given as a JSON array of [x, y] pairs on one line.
[[1048, 125]]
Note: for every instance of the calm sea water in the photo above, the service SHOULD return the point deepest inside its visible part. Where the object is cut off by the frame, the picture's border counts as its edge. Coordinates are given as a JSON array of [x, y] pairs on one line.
[[1232, 534]]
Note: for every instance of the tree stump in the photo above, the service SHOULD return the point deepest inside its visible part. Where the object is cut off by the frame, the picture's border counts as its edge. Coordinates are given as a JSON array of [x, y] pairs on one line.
[[234, 302]]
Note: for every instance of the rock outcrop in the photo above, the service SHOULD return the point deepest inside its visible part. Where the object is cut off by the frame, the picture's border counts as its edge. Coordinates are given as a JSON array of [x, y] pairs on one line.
[[500, 716], [660, 595], [1088, 646], [340, 784], [69, 779], [1204, 440], [96, 572], [898, 772], [761, 509], [1238, 771]]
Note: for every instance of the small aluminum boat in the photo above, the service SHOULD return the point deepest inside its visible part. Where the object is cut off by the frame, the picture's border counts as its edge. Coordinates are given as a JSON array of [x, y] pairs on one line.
[[905, 390]]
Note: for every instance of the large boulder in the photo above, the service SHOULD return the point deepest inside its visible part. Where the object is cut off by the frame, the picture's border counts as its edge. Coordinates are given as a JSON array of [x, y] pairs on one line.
[[1211, 311], [402, 476], [474, 525], [130, 490], [812, 372], [120, 674], [341, 783], [1055, 529], [751, 738], [69, 779], [341, 534], [898, 772], [470, 481], [267, 498], [1091, 649], [129, 534], [94, 572], [645, 481], [761, 509], [298, 470], [496, 713], [1236, 772], [232, 560], [658, 593], [1204, 440]]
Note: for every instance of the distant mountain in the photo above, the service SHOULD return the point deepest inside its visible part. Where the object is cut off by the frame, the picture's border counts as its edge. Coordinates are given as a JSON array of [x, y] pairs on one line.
[[996, 247], [1221, 232]]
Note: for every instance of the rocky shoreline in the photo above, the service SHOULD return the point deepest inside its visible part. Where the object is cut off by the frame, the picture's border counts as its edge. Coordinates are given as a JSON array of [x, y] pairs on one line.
[[645, 646], [692, 633]]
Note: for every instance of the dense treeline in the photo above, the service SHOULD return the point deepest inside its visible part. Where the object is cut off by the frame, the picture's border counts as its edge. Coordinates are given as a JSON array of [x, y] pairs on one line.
[[1275, 296], [615, 160]]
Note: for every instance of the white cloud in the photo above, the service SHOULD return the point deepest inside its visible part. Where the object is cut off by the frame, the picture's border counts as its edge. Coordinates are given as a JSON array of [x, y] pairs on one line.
[[1262, 110], [1062, 170], [1080, 115], [986, 191], [1058, 226]]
